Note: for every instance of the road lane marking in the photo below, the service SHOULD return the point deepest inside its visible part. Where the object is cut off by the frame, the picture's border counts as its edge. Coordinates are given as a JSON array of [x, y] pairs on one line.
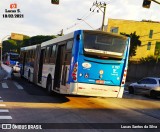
[[4, 85], [5, 117], [2, 105], [18, 86], [4, 110]]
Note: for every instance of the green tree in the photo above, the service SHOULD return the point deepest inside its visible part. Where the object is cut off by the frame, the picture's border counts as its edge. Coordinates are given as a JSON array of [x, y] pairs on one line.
[[9, 46], [36, 40], [15, 45], [133, 43]]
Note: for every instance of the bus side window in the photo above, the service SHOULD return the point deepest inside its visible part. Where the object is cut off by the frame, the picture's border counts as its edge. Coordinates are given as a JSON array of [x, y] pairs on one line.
[[52, 54], [68, 54], [32, 58], [29, 57], [27, 54], [69, 45], [46, 55]]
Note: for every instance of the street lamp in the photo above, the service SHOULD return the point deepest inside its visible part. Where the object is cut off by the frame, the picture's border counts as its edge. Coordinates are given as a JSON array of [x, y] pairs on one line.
[[85, 22], [1, 43]]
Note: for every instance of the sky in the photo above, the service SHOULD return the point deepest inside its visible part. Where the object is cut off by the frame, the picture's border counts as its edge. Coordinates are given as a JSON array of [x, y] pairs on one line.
[[43, 18]]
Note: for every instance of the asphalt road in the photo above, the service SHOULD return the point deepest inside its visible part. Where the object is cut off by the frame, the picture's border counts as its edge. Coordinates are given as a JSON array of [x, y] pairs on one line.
[[23, 102]]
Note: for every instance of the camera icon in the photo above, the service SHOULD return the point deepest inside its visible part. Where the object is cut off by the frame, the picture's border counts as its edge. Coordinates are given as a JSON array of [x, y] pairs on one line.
[[13, 6]]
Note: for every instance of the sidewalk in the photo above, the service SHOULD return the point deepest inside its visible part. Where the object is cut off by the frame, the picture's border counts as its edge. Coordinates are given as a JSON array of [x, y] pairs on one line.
[[5, 72]]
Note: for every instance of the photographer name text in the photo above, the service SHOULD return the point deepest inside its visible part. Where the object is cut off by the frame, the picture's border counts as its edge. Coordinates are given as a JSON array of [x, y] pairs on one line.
[[13, 12]]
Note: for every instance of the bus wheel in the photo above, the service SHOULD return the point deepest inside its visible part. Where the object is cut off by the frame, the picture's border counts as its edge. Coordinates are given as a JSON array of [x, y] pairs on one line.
[[49, 86], [131, 90]]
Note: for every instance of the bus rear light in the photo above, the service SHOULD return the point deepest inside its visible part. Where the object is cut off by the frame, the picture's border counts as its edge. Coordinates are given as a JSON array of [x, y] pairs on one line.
[[124, 77], [74, 73], [75, 70], [76, 64], [74, 78]]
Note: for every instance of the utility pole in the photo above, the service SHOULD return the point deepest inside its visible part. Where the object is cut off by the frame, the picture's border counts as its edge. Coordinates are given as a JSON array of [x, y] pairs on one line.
[[100, 5]]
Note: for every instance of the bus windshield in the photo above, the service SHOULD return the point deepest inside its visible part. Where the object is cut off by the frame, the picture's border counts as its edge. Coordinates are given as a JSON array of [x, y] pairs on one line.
[[104, 45], [14, 57]]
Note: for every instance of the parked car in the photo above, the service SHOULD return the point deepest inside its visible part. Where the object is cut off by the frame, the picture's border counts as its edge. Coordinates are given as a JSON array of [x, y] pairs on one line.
[[147, 86]]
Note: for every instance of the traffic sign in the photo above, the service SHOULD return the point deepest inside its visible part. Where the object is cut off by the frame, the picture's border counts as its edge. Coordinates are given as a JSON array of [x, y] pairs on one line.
[[16, 36]]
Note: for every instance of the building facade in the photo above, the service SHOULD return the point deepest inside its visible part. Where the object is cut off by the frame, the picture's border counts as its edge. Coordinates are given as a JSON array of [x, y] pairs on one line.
[[148, 31]]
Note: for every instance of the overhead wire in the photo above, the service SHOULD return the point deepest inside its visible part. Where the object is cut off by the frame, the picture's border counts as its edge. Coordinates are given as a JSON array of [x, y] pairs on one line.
[[85, 16]]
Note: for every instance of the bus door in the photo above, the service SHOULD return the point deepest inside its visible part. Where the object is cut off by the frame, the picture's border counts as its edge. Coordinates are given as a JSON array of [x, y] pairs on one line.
[[23, 62], [36, 64], [41, 65], [66, 62], [58, 67]]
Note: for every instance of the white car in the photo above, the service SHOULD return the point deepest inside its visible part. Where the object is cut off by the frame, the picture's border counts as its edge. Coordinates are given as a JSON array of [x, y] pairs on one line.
[[147, 86], [16, 68]]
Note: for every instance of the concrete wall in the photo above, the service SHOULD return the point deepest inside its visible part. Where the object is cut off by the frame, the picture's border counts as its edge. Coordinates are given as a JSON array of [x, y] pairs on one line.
[[138, 71]]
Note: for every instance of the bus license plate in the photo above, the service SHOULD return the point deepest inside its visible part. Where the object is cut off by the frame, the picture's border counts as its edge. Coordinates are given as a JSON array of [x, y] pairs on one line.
[[100, 81]]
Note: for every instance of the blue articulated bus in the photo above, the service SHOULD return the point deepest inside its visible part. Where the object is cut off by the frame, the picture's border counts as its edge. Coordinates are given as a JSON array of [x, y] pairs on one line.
[[85, 62]]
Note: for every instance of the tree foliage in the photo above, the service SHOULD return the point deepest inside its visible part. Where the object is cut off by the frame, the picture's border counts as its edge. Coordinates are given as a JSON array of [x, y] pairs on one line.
[[133, 43], [150, 60], [14, 45], [9, 46], [36, 40]]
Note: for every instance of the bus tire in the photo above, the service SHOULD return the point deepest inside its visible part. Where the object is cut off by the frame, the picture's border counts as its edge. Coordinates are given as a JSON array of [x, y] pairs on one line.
[[49, 86], [131, 90]]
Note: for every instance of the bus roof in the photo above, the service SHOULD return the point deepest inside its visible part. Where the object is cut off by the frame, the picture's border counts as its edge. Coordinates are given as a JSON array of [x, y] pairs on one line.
[[58, 39], [70, 35], [28, 47], [67, 36], [13, 53], [109, 33]]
